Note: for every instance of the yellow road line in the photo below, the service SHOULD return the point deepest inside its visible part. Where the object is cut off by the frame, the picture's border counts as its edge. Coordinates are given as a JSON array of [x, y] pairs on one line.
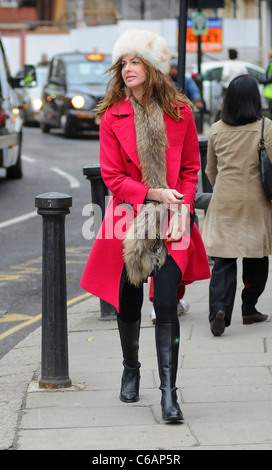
[[38, 317], [19, 327], [14, 317], [9, 277], [78, 299]]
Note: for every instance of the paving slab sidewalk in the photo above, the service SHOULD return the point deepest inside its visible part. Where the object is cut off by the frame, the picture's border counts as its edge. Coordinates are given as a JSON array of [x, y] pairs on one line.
[[225, 386]]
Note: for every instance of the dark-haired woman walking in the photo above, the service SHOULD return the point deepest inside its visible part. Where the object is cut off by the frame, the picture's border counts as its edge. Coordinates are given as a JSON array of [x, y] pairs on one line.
[[238, 223]]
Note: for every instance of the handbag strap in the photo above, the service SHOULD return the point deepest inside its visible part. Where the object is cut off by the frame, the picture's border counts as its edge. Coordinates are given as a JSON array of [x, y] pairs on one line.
[[262, 141]]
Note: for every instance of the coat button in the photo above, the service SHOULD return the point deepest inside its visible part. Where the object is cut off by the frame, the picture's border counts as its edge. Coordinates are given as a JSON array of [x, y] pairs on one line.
[[128, 160]]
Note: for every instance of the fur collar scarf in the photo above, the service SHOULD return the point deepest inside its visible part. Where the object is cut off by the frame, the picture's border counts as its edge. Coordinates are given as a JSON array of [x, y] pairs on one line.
[[144, 248]]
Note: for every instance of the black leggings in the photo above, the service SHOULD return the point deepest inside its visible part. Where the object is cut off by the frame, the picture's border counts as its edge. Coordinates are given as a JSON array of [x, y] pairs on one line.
[[166, 282]]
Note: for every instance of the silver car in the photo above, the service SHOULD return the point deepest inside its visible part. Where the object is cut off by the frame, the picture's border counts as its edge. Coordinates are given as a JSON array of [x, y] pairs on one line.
[[31, 96], [213, 86]]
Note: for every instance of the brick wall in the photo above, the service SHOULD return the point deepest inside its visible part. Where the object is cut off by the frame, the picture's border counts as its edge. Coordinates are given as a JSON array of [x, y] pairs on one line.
[[15, 15]]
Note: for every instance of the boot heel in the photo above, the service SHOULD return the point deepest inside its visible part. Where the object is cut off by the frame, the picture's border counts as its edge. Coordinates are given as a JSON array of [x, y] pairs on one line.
[[129, 336], [167, 344], [171, 411], [130, 384]]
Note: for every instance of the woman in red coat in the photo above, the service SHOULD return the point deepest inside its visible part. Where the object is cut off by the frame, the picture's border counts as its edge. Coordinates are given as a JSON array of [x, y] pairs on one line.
[[149, 158]]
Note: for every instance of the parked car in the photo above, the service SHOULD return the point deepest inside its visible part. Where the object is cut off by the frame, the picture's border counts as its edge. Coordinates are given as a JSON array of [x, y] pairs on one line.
[[76, 83], [211, 73], [11, 123], [30, 97]]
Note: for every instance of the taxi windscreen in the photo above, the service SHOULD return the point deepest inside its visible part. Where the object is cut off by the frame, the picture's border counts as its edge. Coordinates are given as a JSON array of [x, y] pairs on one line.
[[87, 72]]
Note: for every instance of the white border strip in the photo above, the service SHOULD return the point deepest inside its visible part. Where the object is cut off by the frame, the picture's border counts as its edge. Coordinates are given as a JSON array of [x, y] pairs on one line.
[[28, 159], [16, 220], [74, 183]]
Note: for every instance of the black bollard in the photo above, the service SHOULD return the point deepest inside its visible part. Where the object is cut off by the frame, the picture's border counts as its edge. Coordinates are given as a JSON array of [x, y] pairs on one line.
[[53, 208], [99, 192], [203, 146]]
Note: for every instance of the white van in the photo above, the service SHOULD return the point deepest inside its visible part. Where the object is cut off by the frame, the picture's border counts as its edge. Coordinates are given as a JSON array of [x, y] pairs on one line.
[[10, 120]]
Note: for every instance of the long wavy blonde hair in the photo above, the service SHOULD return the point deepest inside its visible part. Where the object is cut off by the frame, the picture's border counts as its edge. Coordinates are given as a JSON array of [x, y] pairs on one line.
[[156, 84]]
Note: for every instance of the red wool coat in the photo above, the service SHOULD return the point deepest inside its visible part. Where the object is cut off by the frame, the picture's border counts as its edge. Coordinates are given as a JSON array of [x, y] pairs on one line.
[[121, 172]]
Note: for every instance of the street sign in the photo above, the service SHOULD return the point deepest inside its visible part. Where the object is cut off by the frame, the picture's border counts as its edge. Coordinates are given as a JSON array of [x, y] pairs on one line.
[[210, 42], [206, 3], [200, 21]]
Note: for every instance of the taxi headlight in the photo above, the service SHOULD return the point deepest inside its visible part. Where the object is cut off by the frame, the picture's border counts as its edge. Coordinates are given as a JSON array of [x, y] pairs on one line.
[[37, 104], [78, 101]]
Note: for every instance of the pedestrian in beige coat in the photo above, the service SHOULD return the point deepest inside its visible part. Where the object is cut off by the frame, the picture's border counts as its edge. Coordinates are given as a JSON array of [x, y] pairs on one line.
[[238, 222]]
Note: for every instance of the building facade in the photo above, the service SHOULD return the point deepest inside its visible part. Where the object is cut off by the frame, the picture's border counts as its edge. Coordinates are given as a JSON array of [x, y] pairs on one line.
[[71, 13], [246, 24]]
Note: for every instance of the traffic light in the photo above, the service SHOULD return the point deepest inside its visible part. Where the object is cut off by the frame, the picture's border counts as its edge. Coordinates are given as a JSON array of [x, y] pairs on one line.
[[206, 3]]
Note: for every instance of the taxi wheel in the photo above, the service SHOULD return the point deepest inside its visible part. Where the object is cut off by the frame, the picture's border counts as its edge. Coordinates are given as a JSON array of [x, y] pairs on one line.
[[68, 129], [16, 171], [45, 127]]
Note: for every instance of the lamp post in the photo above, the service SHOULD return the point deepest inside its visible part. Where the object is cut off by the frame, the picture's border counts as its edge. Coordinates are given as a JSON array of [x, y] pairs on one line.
[[183, 8]]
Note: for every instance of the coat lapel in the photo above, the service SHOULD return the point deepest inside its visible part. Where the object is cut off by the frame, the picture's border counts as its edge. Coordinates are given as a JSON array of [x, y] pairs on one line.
[[124, 130], [175, 135], [173, 165]]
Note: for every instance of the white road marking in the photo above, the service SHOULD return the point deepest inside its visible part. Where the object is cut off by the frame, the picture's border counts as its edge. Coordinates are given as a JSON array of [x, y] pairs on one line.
[[28, 159], [74, 183], [16, 220]]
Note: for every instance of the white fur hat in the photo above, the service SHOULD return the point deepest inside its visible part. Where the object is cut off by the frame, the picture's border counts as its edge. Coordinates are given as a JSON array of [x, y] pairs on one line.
[[145, 44]]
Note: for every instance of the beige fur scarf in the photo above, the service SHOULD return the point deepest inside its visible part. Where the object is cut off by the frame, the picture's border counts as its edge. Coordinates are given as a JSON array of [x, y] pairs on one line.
[[144, 248]]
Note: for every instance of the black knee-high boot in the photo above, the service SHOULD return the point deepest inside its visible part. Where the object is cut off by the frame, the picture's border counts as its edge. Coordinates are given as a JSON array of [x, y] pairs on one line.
[[167, 344], [129, 336]]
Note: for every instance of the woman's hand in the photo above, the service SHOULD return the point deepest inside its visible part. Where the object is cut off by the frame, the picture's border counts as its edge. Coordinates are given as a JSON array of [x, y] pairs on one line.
[[174, 201], [167, 196], [177, 224]]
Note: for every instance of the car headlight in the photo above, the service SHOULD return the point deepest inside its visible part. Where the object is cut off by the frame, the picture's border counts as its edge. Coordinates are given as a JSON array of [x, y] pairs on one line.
[[78, 101], [37, 104], [15, 112]]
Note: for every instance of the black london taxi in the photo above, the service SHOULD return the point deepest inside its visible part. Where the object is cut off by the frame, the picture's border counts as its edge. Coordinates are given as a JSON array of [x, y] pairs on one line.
[[76, 83]]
